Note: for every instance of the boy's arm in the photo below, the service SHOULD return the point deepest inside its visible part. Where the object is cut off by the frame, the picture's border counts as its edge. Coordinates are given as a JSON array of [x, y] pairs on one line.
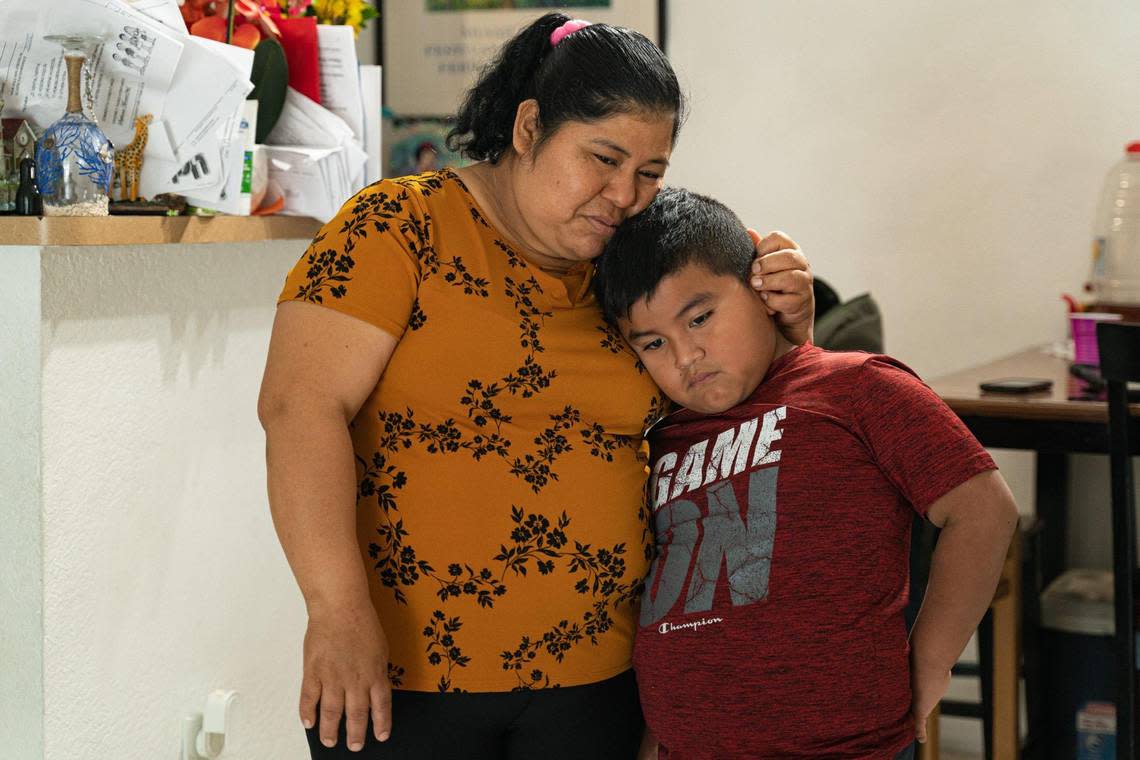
[[648, 749], [977, 519]]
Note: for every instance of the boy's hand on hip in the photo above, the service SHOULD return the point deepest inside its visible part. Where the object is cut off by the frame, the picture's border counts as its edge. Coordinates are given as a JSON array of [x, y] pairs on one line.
[[346, 673], [927, 685]]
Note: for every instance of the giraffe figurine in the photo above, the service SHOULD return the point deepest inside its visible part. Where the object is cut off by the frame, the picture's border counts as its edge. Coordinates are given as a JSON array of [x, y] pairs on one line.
[[128, 161]]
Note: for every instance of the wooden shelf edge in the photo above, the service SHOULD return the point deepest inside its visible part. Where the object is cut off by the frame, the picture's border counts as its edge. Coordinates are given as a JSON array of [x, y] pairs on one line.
[[152, 230]]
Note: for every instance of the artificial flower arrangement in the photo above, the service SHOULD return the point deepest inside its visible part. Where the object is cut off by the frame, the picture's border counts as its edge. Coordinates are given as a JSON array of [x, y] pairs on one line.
[[246, 22]]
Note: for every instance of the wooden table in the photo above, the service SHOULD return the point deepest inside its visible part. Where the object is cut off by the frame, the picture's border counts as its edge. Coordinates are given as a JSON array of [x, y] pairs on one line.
[[1048, 423]]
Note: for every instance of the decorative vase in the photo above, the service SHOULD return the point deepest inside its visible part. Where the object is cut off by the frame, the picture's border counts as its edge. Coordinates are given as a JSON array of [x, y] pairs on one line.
[[74, 159]]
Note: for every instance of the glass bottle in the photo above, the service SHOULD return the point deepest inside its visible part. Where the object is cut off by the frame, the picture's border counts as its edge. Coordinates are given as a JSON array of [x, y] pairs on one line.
[[7, 191], [28, 201], [74, 158]]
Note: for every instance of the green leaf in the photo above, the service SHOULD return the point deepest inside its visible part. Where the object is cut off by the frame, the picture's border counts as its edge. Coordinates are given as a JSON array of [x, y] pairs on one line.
[[270, 79]]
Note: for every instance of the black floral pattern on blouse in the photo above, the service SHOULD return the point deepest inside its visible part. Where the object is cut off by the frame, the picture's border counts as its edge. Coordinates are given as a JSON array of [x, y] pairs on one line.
[[538, 544]]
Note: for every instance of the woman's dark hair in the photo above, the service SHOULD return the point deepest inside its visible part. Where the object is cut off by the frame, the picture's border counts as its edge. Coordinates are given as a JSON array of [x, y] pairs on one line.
[[678, 228], [597, 71]]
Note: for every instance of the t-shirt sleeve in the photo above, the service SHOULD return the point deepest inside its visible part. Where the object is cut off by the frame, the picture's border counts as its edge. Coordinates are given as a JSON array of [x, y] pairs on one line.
[[365, 261], [919, 443]]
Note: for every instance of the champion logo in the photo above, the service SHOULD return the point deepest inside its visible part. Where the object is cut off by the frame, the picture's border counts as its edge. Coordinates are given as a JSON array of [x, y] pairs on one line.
[[694, 625]]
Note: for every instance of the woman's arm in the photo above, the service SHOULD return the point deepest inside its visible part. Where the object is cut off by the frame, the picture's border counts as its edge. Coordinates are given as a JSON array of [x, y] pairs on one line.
[[322, 365], [783, 277]]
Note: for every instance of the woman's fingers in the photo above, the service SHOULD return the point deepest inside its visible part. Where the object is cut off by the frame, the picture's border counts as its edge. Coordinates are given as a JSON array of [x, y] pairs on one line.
[[381, 698], [788, 281], [791, 308], [781, 260], [332, 707], [789, 293], [772, 242], [356, 714], [324, 703], [782, 276], [346, 674], [310, 696]]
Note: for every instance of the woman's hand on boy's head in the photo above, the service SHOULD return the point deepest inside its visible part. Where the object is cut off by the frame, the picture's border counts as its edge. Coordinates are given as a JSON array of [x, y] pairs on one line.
[[782, 276]]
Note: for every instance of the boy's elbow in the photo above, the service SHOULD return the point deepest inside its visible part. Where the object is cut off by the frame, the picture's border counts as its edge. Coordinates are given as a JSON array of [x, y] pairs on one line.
[[1003, 504], [983, 499], [999, 509]]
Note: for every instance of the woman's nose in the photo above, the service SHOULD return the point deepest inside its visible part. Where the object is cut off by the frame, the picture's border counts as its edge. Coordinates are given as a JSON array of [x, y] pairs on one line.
[[621, 190]]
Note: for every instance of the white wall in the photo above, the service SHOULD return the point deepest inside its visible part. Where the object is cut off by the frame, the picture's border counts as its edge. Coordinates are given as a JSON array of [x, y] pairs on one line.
[[21, 558], [163, 577], [944, 156]]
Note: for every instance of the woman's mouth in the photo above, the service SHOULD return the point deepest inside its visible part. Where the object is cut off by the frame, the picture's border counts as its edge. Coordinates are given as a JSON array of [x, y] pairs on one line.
[[601, 226]]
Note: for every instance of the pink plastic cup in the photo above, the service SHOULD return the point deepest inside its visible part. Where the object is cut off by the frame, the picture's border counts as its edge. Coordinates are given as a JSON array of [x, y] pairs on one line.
[[1083, 326]]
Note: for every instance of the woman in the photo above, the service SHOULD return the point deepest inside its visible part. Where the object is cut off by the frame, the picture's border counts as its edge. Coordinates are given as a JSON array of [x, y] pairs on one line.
[[459, 417]]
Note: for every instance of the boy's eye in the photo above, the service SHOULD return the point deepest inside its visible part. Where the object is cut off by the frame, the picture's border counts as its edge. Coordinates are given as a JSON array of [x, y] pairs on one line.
[[652, 345], [700, 320], [605, 159]]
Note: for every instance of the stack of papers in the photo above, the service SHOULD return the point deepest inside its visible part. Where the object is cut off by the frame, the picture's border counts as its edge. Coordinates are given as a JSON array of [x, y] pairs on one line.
[[195, 89], [313, 181], [315, 159], [147, 64]]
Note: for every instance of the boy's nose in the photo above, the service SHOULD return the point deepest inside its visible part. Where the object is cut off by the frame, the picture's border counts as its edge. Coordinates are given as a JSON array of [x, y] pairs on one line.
[[687, 354]]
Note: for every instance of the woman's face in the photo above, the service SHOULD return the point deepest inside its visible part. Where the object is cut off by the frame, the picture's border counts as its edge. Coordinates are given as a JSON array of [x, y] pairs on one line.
[[573, 189]]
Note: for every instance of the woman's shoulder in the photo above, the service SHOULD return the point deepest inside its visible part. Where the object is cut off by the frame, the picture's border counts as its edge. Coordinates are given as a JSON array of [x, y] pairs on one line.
[[424, 190], [439, 197]]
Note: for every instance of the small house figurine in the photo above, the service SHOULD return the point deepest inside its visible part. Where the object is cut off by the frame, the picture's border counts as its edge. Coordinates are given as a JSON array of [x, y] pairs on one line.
[[20, 138], [17, 142]]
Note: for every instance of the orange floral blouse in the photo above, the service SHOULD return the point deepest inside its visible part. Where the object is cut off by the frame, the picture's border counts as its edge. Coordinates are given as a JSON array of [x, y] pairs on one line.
[[500, 497]]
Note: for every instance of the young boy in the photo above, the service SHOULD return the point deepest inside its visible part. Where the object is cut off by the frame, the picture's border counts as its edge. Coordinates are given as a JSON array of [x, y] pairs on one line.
[[783, 493]]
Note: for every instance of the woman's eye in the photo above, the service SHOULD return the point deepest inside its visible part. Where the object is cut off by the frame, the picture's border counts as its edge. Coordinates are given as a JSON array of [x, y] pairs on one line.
[[605, 159], [700, 320], [651, 175]]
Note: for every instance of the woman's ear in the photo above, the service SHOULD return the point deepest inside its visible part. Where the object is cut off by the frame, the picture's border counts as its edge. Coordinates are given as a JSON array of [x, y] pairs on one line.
[[527, 129]]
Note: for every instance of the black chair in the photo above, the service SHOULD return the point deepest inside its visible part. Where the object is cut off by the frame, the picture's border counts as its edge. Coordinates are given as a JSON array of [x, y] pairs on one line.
[[1119, 345]]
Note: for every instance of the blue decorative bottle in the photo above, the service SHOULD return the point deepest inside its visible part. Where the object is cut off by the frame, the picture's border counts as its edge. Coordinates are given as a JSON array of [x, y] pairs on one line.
[[74, 159]]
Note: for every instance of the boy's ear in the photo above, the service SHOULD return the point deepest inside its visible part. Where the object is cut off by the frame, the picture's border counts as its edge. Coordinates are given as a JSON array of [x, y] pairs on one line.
[[528, 127]]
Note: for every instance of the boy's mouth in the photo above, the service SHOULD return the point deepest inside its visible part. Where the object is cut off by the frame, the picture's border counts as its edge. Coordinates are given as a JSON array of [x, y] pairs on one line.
[[699, 379]]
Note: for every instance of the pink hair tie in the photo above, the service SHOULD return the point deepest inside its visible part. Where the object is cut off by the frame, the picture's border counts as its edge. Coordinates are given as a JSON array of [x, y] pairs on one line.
[[569, 27]]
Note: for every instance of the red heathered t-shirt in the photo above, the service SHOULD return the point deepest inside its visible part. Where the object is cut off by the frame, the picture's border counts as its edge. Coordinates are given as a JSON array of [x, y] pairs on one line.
[[772, 623]]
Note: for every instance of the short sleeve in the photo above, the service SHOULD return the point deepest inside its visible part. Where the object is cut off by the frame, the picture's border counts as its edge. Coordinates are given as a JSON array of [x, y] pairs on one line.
[[365, 261], [918, 441]]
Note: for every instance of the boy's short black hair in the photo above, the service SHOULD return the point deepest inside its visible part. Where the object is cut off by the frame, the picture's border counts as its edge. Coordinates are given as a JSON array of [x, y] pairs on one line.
[[678, 228]]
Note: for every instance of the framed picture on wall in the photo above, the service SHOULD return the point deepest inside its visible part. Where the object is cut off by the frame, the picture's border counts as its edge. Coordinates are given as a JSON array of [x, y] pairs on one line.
[[432, 50]]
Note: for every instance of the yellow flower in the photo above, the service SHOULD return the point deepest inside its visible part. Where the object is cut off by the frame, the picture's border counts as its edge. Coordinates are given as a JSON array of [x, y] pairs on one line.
[[330, 11], [354, 16], [354, 13]]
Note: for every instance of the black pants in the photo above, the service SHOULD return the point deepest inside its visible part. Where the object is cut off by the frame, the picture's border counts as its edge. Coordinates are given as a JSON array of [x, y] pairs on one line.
[[907, 753], [600, 721]]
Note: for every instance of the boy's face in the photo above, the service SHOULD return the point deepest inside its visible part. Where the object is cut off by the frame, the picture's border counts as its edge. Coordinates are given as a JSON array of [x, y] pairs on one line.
[[706, 338]]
